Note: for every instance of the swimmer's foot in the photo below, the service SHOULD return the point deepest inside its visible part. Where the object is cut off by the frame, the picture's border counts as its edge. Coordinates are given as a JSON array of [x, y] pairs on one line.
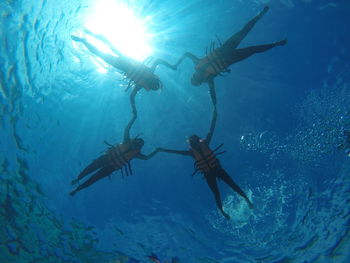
[[75, 181], [73, 192], [251, 206], [281, 43], [226, 215], [263, 12]]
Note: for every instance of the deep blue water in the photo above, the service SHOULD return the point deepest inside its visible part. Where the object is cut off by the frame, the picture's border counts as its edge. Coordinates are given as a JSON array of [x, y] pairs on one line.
[[282, 114]]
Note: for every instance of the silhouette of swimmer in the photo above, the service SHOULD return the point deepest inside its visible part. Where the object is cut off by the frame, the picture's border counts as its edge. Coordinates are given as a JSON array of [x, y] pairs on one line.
[[117, 157], [207, 163], [140, 75], [219, 59]]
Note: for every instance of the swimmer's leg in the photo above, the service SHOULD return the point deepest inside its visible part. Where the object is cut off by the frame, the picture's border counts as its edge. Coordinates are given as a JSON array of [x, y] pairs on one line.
[[211, 181], [105, 171], [236, 39], [96, 164], [111, 60], [228, 180], [105, 40], [243, 53]]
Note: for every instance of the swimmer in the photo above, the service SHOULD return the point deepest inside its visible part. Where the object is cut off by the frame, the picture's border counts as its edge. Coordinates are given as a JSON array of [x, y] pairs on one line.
[[207, 163], [140, 76], [117, 157], [219, 59]]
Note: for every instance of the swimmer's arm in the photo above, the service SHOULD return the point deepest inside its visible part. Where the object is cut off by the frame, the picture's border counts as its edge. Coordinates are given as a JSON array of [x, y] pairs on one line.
[[162, 62], [132, 100], [212, 92], [187, 153], [189, 55], [126, 138], [147, 157], [212, 126]]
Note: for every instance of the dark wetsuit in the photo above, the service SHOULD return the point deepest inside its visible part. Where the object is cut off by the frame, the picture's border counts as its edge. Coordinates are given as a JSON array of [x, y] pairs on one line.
[[215, 173]]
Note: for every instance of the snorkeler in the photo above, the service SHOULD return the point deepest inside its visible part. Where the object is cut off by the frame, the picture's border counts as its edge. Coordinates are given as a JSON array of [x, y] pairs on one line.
[[207, 163], [117, 157], [219, 59], [140, 75]]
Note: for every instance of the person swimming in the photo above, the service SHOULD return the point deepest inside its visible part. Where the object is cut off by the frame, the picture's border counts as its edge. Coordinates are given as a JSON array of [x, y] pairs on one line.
[[207, 163], [140, 76], [220, 59], [116, 158]]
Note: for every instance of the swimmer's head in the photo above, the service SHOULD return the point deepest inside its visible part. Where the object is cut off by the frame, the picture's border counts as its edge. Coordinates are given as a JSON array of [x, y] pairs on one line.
[[146, 79], [155, 84], [193, 141]]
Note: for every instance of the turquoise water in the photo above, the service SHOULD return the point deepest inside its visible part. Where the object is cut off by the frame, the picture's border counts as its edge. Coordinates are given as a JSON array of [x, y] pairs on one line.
[[282, 114]]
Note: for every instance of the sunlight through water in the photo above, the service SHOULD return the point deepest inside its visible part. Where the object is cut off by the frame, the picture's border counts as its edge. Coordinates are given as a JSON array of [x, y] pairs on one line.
[[119, 23]]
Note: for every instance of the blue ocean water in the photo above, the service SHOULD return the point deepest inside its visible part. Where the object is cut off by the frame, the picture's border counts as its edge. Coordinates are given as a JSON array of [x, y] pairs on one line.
[[281, 118]]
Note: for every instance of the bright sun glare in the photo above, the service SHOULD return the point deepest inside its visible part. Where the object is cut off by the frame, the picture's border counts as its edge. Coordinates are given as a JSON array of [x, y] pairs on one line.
[[116, 21]]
